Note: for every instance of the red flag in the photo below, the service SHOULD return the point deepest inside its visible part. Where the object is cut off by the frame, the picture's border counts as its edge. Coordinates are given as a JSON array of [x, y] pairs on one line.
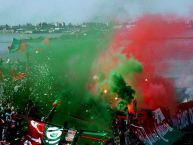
[[17, 76], [35, 133]]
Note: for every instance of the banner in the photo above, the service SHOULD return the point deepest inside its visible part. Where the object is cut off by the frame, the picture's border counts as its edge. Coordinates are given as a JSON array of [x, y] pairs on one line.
[[41, 133], [35, 133], [184, 116], [154, 126]]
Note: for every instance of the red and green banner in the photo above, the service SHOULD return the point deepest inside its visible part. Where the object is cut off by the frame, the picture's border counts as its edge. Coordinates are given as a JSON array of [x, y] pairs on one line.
[[42, 133]]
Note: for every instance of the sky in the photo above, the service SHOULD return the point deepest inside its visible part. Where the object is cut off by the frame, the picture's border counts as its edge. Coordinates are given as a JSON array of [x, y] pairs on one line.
[[77, 11]]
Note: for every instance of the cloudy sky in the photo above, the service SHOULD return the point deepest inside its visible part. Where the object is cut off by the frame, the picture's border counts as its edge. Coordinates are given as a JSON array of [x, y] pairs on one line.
[[77, 11]]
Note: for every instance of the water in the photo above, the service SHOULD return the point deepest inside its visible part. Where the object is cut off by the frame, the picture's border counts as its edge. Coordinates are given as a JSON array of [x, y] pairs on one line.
[[6, 39]]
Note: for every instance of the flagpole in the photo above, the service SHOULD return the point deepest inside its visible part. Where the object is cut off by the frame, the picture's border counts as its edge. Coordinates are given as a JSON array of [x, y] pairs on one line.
[[49, 114], [55, 104]]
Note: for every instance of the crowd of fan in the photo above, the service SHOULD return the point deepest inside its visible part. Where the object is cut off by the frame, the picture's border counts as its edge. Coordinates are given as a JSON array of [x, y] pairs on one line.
[[10, 124]]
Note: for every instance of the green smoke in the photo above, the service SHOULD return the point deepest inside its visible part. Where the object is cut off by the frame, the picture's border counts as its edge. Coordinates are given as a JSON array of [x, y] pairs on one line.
[[122, 105], [124, 72], [128, 67], [118, 85], [61, 70]]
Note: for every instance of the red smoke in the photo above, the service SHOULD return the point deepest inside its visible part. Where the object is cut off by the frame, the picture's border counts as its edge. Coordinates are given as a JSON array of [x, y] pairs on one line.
[[154, 40]]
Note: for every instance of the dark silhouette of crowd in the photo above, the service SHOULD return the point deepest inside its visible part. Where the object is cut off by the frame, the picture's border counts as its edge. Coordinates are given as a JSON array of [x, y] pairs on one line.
[[10, 124]]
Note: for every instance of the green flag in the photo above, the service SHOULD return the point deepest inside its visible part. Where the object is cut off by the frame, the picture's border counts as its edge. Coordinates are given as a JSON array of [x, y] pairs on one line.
[[15, 45]]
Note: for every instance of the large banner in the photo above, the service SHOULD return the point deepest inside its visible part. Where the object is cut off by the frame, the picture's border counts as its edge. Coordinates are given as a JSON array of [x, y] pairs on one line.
[[40, 133], [154, 126]]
